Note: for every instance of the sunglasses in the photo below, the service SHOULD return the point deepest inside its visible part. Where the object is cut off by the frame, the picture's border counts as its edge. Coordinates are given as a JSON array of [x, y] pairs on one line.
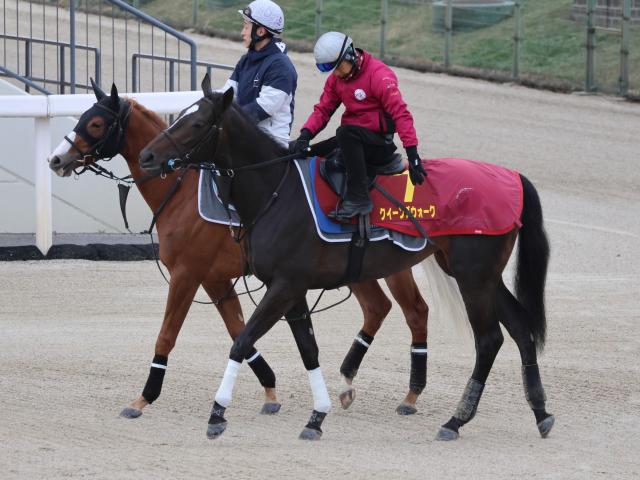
[[326, 67]]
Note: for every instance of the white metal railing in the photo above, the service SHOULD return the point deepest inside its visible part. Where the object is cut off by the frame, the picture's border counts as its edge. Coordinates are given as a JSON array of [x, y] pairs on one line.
[[42, 109]]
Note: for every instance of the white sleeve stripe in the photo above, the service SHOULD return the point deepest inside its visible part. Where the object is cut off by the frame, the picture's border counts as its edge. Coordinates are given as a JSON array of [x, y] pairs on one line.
[[271, 99], [229, 84]]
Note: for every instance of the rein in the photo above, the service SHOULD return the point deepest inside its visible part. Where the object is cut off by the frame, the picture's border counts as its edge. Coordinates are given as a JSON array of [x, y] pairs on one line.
[[124, 185], [179, 163], [312, 311], [105, 149], [156, 214]]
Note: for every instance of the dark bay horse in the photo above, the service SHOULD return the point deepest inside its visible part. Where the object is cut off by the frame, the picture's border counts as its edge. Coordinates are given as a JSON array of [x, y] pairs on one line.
[[198, 252], [285, 252]]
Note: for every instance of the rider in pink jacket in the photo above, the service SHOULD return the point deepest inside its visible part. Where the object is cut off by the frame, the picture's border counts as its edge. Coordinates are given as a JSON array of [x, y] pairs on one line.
[[374, 110]]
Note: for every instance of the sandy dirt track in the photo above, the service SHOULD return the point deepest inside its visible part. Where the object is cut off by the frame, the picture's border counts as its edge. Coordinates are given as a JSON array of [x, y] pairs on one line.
[[77, 337]]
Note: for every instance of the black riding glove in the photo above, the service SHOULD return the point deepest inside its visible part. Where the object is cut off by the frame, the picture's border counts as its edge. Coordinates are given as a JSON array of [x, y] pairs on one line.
[[416, 170], [301, 145]]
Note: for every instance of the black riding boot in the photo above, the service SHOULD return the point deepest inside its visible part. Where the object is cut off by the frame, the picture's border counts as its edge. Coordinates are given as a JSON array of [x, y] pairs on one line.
[[357, 201]]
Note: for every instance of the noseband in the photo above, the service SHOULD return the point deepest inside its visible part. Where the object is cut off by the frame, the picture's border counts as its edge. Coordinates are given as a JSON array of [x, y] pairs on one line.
[[184, 156]]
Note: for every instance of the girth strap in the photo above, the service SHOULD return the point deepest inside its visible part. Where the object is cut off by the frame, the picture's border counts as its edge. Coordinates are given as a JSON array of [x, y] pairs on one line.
[[357, 247]]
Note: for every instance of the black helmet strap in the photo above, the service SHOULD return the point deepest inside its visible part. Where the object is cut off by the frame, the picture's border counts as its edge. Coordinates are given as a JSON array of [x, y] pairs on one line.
[[255, 38]]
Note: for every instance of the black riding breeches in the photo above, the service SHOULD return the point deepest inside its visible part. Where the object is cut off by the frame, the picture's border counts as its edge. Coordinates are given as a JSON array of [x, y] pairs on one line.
[[360, 147]]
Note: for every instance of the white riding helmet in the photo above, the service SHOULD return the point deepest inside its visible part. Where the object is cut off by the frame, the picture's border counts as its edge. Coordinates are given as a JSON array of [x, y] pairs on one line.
[[265, 13], [331, 48]]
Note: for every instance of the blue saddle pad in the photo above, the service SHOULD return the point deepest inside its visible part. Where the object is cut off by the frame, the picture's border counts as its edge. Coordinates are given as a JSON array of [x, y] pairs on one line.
[[331, 231]]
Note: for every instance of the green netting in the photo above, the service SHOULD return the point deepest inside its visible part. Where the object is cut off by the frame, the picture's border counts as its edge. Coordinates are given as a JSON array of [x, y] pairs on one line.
[[634, 62], [552, 49], [468, 15], [553, 43], [409, 33]]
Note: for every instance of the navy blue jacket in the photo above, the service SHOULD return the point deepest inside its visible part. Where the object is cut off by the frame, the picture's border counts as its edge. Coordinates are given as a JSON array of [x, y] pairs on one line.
[[264, 83]]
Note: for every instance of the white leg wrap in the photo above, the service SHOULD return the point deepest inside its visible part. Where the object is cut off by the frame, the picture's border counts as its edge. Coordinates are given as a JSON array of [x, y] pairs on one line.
[[225, 391], [321, 401]]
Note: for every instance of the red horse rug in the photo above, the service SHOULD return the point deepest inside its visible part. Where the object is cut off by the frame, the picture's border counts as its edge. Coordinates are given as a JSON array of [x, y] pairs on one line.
[[458, 197]]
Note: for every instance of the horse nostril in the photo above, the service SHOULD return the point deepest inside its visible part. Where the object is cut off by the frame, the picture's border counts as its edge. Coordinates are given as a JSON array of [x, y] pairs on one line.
[[55, 161], [145, 157]]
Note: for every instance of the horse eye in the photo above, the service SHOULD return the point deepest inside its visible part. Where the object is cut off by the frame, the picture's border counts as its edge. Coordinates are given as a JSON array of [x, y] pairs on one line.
[[198, 125]]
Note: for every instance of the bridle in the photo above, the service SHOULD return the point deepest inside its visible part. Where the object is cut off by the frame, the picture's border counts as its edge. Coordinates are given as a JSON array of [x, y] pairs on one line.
[[183, 156], [111, 143], [183, 161], [118, 127]]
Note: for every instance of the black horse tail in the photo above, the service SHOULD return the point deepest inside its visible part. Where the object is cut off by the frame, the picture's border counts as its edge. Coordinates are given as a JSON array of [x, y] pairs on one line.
[[533, 260]]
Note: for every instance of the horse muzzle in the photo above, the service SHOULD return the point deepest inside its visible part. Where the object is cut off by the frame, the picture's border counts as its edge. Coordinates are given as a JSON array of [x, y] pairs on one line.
[[60, 166], [148, 162]]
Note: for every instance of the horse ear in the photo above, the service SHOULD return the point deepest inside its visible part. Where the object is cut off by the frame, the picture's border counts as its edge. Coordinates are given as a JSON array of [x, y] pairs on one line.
[[97, 90], [227, 98], [206, 85], [114, 95]]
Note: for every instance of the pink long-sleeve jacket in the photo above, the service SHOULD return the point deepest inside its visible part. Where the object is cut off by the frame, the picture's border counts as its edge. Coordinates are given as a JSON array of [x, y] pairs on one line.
[[366, 97]]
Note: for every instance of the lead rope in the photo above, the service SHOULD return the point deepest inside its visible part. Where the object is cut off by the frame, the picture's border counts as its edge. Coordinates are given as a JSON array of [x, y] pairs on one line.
[[156, 214]]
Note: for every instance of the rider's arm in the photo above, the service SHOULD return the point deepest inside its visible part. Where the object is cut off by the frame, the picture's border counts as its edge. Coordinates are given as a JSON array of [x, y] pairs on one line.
[[392, 103], [232, 81], [324, 109], [277, 90]]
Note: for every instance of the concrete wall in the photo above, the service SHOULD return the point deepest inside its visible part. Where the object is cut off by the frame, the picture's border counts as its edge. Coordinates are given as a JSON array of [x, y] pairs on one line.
[[89, 204]]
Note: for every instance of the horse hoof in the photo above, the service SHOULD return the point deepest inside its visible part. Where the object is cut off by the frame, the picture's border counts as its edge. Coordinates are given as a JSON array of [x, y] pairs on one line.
[[130, 412], [347, 397], [270, 408], [545, 426], [404, 409], [446, 435], [214, 430], [310, 434]]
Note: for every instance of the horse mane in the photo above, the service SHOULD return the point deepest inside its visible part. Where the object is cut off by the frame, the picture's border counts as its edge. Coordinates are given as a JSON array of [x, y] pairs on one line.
[[255, 135], [150, 115]]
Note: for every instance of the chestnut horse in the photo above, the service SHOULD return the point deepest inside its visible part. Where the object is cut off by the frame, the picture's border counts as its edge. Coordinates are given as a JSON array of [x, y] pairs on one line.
[[271, 201], [198, 252]]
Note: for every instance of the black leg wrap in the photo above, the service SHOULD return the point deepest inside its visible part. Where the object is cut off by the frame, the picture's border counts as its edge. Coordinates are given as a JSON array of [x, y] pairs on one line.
[[453, 424], [469, 402], [418, 378], [156, 375], [315, 422], [353, 359], [533, 391], [540, 414], [261, 369], [217, 414]]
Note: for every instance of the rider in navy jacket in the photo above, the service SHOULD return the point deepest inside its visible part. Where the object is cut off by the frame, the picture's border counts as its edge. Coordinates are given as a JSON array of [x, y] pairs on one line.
[[264, 79]]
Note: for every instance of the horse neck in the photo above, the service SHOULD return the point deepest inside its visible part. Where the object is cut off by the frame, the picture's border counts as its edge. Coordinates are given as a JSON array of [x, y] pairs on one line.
[[140, 131], [252, 189]]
